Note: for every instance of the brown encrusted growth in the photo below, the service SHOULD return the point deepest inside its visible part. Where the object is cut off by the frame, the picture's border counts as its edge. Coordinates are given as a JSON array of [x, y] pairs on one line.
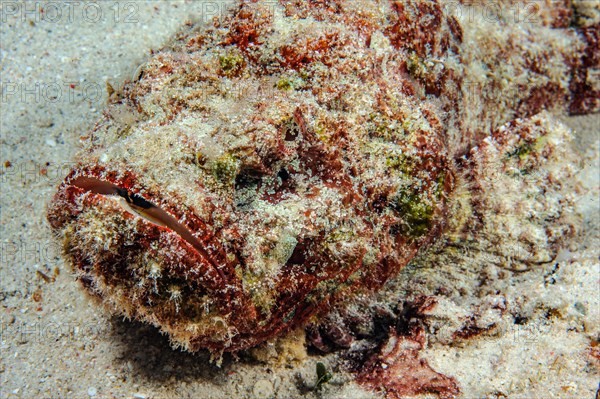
[[248, 26], [401, 373], [398, 369], [290, 156], [366, 19], [417, 27], [471, 325], [585, 86]]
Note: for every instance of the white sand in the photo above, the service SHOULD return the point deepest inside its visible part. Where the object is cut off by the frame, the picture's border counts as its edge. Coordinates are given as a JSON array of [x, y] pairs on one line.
[[56, 343]]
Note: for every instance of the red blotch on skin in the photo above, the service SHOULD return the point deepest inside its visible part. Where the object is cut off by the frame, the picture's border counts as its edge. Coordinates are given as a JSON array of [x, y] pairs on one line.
[[417, 27]]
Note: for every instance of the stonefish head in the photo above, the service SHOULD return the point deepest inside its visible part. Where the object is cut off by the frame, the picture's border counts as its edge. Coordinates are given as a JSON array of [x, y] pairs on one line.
[[227, 197]]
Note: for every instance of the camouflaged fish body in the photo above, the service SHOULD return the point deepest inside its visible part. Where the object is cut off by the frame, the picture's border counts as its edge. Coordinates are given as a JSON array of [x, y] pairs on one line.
[[292, 155]]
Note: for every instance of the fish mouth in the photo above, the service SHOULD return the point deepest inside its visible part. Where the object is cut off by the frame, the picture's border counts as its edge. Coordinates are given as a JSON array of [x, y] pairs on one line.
[[88, 186], [135, 204], [148, 257]]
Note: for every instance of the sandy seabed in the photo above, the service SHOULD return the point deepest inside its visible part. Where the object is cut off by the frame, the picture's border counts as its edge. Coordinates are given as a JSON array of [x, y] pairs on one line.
[[56, 343]]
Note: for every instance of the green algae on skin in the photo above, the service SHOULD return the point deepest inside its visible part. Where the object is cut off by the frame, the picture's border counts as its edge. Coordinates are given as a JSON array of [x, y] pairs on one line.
[[225, 168], [231, 64]]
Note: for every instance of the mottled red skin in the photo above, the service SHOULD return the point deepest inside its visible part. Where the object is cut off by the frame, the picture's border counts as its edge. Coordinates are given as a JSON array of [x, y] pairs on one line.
[[294, 288], [213, 272]]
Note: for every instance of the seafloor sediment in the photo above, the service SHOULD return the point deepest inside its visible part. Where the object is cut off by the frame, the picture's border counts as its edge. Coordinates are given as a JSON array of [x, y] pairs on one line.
[[491, 173]]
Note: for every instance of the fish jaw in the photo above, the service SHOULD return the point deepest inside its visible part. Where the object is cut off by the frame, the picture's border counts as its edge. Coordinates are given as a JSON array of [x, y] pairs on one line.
[[143, 268]]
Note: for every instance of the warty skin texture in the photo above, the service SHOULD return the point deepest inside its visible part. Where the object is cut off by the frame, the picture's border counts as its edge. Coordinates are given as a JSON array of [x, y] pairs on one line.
[[290, 156]]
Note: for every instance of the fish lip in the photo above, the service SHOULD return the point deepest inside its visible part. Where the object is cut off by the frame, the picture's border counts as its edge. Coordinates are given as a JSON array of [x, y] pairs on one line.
[[101, 182], [135, 203], [194, 234]]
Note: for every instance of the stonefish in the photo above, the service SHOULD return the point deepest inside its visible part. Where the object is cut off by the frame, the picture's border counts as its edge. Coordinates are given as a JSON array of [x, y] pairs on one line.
[[291, 156]]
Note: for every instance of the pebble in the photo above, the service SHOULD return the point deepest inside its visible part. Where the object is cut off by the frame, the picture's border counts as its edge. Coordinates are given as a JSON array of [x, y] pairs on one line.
[[92, 391]]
